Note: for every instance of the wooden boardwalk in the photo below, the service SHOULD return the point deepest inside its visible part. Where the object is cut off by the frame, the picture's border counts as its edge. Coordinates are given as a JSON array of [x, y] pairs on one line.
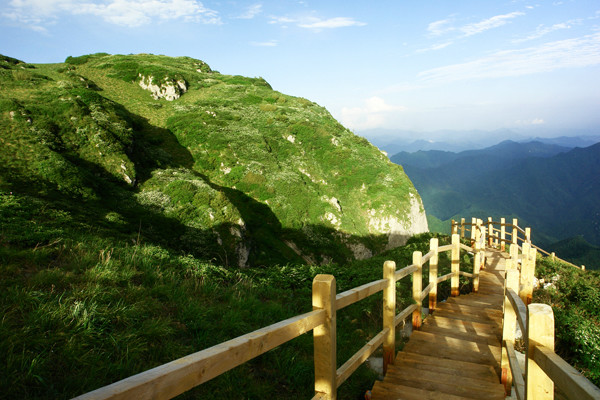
[[456, 353]]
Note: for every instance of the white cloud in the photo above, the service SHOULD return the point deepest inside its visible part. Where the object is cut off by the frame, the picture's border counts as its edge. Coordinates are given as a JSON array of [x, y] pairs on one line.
[[490, 23], [535, 121], [130, 13], [434, 47], [570, 53], [438, 28], [251, 11], [317, 23], [270, 43], [373, 114], [544, 30]]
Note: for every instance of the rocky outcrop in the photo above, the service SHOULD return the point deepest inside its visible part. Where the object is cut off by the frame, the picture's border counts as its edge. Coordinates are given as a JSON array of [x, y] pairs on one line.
[[169, 89], [399, 228]]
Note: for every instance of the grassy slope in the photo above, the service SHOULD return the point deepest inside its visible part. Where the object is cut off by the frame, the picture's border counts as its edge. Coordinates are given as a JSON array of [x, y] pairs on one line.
[[118, 225]]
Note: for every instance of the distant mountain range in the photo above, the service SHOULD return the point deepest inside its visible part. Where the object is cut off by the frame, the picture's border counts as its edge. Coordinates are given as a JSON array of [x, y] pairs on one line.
[[395, 141], [549, 187]]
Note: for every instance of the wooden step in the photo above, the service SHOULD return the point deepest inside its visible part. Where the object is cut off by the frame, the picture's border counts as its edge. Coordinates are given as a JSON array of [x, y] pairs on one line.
[[491, 312], [472, 301], [386, 391], [486, 338], [461, 326], [450, 367], [454, 349], [471, 318], [450, 384]]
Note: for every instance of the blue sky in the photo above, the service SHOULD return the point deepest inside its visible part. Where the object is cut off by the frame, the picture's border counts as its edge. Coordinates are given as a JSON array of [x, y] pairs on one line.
[[403, 65]]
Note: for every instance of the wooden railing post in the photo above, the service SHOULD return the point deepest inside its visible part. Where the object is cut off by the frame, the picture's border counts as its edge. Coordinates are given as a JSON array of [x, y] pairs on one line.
[[454, 228], [509, 324], [462, 227], [474, 222], [528, 235], [527, 275], [476, 266], [514, 254], [526, 272], [417, 278], [455, 267], [515, 232], [433, 272], [389, 314], [490, 231], [324, 336], [502, 234], [540, 331]]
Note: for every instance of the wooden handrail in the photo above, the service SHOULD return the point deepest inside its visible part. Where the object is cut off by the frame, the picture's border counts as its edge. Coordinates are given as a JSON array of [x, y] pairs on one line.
[[351, 296], [519, 307], [517, 372], [567, 378], [169, 380]]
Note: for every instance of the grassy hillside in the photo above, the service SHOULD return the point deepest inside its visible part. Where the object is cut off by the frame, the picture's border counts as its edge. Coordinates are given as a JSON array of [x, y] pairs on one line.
[[241, 173], [135, 230]]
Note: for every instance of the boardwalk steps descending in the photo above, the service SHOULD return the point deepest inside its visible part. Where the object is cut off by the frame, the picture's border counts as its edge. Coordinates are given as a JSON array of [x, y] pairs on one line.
[[456, 353]]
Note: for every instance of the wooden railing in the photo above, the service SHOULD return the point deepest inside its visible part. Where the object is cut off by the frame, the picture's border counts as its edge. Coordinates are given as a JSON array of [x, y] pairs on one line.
[[171, 379], [543, 367], [497, 234]]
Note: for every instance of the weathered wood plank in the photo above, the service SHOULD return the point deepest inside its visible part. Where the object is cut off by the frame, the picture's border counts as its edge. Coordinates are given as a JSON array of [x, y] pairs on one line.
[[351, 296]]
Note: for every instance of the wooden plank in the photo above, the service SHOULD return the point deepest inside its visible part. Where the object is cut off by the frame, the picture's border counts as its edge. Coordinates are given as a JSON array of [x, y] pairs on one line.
[[389, 314], [405, 313], [324, 336], [488, 338], [433, 381], [480, 371], [351, 296], [171, 379], [471, 318], [519, 308], [385, 391], [460, 326], [491, 312], [516, 372], [442, 249], [401, 273], [540, 331], [567, 378], [359, 357], [455, 349]]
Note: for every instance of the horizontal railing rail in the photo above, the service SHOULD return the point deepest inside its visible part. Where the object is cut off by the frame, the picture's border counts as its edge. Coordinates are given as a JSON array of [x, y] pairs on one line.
[[171, 379], [498, 233]]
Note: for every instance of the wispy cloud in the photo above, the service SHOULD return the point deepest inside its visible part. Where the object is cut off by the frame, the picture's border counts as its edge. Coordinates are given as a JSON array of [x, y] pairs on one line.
[[571, 53], [489, 23], [438, 28], [434, 47], [130, 13], [270, 43], [317, 23], [543, 30], [373, 114], [251, 11]]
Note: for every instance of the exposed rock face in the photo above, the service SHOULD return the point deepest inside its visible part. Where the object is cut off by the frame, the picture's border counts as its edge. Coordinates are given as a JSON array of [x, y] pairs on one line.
[[169, 89], [398, 231]]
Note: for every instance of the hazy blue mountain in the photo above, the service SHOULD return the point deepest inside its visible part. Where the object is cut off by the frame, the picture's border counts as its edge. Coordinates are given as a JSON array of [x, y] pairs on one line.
[[557, 194]]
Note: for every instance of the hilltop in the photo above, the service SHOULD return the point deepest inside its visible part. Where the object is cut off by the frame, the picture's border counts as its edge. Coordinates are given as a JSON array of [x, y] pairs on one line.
[[151, 207], [220, 166]]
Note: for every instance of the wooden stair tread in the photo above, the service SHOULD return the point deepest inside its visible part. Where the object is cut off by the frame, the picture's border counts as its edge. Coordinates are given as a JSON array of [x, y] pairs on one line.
[[461, 326], [473, 318], [485, 372], [465, 307], [445, 383], [383, 390], [482, 337], [454, 349]]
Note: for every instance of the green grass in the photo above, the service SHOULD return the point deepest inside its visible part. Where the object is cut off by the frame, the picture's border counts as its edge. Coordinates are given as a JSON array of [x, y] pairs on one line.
[[124, 220], [575, 301]]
